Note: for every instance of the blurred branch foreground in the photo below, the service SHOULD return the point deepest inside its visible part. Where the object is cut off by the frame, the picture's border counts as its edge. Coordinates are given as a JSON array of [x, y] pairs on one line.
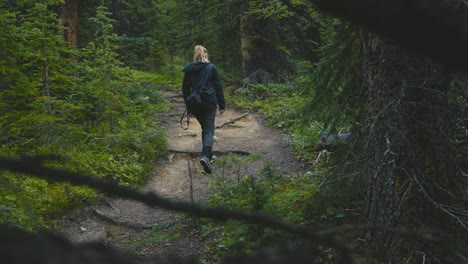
[[21, 247], [18, 246]]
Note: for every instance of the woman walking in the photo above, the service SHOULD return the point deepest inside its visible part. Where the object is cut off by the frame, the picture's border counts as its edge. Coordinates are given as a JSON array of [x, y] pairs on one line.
[[202, 76]]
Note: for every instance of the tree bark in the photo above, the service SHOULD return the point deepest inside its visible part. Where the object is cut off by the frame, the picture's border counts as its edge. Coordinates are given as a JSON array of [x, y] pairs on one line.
[[69, 18], [246, 35], [45, 72], [412, 176]]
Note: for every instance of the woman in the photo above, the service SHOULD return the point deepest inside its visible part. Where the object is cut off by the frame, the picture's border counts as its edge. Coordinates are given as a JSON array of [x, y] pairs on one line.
[[203, 76]]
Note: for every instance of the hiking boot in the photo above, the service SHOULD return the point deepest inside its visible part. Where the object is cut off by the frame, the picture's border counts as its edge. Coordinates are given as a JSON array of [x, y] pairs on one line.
[[205, 162]]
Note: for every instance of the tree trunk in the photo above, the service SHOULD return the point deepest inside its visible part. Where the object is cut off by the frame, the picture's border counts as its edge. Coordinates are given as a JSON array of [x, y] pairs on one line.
[[45, 81], [45, 71], [412, 177], [69, 18], [246, 34]]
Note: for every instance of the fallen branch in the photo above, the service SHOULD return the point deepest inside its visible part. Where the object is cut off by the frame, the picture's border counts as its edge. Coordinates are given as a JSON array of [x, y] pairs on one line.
[[173, 96], [111, 205], [318, 158], [188, 135], [191, 181], [232, 121], [170, 115], [216, 152], [115, 221]]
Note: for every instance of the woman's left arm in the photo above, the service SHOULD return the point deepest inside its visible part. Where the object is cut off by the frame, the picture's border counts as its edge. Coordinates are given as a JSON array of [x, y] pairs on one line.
[[218, 85]]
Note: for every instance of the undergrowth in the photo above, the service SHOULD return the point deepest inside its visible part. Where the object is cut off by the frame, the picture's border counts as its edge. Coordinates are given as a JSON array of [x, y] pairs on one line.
[[158, 234], [291, 198], [281, 103], [299, 199], [126, 156]]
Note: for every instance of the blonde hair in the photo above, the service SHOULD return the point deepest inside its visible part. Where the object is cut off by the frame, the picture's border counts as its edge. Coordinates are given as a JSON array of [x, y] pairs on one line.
[[200, 54]]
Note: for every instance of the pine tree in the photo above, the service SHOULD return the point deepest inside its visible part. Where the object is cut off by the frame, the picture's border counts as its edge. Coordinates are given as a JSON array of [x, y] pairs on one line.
[[410, 169], [15, 88], [103, 73], [41, 72]]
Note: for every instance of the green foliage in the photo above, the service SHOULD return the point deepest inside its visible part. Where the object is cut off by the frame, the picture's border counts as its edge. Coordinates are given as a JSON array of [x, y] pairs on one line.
[[283, 196], [134, 52], [276, 101], [10, 50], [233, 164], [326, 101], [184, 24], [304, 138], [276, 9], [159, 233], [29, 202], [335, 84], [269, 191], [96, 114], [162, 80], [46, 58], [281, 103]]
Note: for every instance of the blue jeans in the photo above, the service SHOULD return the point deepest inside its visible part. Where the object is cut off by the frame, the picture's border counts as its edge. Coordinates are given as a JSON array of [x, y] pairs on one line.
[[206, 119]]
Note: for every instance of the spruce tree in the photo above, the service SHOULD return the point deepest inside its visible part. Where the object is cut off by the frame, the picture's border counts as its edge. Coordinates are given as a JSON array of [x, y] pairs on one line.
[[103, 74]]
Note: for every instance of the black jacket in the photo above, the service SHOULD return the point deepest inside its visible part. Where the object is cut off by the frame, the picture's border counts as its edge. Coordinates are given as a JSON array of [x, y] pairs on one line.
[[196, 74]]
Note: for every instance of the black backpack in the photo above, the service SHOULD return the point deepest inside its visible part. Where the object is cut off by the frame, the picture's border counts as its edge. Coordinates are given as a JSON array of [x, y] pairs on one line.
[[203, 98]]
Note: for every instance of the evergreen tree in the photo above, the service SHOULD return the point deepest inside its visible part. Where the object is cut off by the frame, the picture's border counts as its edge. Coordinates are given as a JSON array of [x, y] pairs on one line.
[[267, 41], [43, 70], [103, 73], [15, 88], [404, 151]]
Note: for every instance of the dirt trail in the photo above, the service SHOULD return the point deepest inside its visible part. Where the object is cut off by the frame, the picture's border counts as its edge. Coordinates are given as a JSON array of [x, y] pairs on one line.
[[118, 222]]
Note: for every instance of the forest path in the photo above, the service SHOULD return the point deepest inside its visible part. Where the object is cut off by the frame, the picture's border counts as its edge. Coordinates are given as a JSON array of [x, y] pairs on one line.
[[123, 223]]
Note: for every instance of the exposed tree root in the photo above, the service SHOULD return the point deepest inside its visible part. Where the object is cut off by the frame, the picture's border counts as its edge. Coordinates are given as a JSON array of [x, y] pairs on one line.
[[232, 121], [216, 152], [189, 134], [111, 205], [171, 115], [173, 96], [115, 221]]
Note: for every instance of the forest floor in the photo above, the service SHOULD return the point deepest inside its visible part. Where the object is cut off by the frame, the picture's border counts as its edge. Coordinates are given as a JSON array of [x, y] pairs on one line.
[[124, 224]]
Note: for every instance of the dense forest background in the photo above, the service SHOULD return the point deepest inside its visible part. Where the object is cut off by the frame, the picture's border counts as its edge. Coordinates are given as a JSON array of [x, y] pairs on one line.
[[80, 80]]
